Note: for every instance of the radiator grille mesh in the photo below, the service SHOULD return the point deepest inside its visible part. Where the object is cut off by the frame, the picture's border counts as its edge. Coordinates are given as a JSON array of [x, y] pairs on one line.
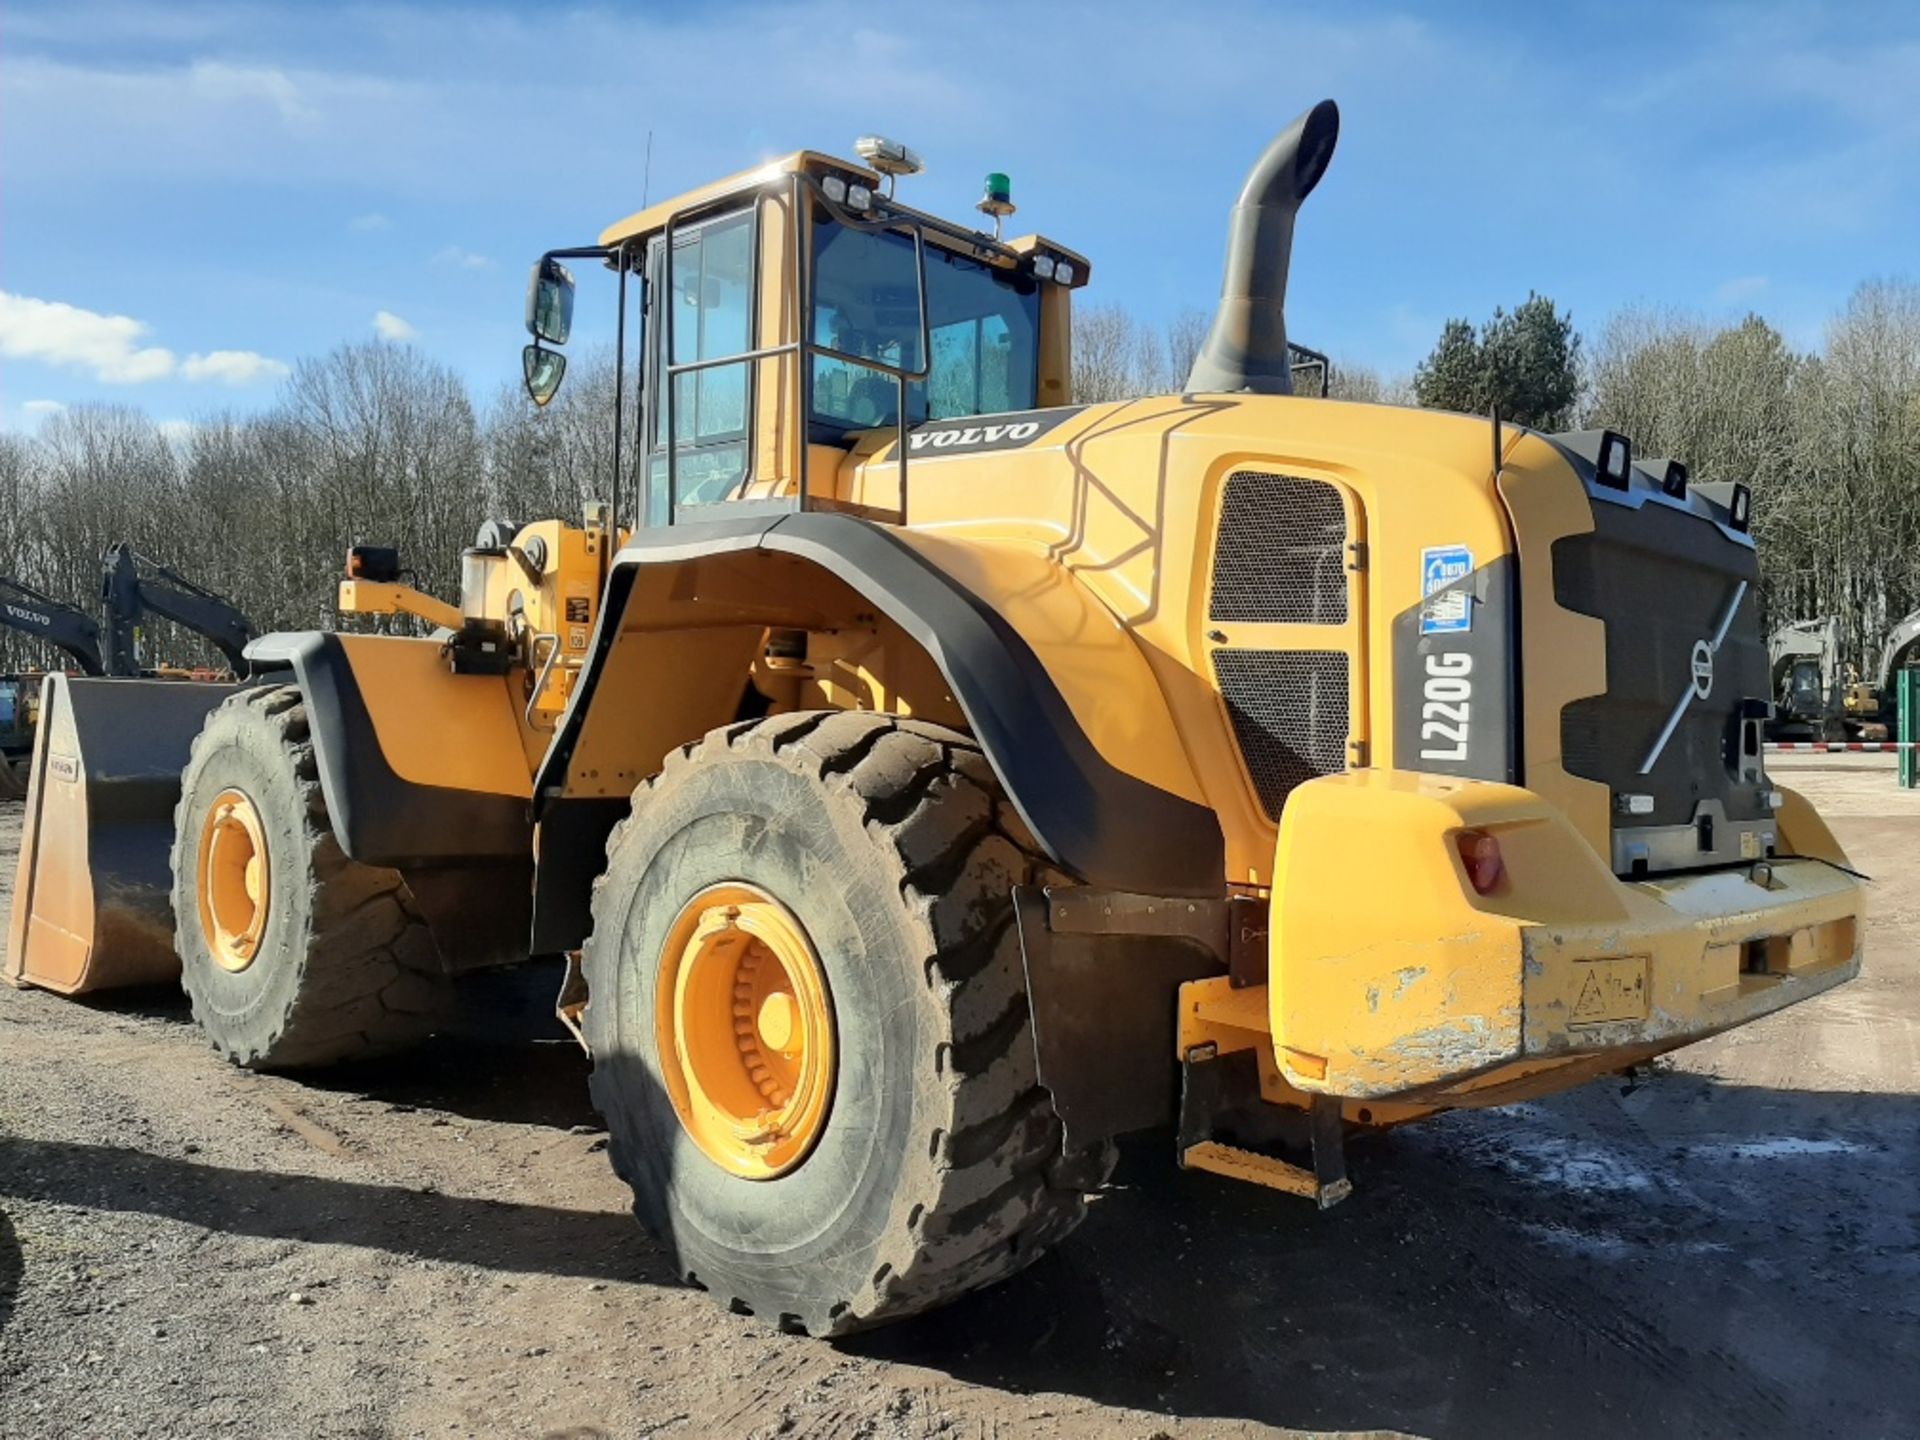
[[1289, 713], [1281, 555]]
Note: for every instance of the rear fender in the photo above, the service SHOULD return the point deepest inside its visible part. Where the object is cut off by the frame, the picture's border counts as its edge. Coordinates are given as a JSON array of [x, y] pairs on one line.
[[1092, 818]]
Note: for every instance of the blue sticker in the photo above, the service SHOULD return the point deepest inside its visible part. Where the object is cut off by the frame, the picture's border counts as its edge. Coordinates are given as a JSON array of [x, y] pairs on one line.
[[1446, 612]]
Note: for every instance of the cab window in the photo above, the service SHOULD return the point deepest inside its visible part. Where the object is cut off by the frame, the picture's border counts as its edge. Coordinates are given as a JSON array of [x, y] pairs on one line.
[[983, 324], [712, 318]]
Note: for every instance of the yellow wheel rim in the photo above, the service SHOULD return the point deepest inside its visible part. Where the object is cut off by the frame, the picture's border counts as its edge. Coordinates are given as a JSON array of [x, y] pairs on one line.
[[235, 881], [745, 1031]]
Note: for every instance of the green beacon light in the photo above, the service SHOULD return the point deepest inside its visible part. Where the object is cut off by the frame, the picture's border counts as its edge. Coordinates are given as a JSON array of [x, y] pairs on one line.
[[998, 201]]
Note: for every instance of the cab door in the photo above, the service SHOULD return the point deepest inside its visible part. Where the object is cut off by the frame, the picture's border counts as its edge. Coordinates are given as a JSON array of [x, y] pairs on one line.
[[701, 312]]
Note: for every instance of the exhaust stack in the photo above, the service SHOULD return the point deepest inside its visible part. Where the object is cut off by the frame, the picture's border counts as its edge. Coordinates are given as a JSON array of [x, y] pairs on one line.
[[1246, 350]]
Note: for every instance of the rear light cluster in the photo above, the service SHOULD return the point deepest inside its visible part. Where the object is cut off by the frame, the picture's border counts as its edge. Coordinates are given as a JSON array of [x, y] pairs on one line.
[[1480, 856]]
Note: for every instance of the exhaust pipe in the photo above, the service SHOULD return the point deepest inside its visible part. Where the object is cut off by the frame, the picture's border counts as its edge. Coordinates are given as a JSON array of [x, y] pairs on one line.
[[1246, 350]]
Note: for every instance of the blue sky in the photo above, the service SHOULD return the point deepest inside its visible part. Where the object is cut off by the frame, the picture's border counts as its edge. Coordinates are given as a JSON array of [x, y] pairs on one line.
[[192, 197]]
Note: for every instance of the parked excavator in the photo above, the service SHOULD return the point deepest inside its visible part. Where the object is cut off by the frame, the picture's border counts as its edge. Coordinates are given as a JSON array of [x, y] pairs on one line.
[[928, 778], [1818, 696], [1901, 651]]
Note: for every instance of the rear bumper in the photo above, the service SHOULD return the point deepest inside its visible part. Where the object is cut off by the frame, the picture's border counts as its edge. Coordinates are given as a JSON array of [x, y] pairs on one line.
[[1711, 951], [1391, 979]]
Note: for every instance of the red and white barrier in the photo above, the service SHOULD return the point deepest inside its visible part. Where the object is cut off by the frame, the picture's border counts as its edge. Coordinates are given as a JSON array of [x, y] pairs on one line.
[[1871, 746]]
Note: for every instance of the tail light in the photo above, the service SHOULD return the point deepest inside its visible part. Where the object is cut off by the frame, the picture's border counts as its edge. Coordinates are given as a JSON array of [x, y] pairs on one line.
[[1480, 855]]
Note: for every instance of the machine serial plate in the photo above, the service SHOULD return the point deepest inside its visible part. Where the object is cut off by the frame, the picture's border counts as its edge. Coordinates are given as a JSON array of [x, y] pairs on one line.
[[1608, 990]]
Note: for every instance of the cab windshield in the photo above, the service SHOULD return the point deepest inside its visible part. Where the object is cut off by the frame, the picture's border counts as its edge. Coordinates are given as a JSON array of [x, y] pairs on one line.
[[984, 324]]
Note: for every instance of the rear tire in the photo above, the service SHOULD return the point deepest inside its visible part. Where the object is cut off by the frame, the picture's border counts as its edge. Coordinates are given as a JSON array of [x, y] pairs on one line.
[[13, 784], [345, 967], [939, 1167]]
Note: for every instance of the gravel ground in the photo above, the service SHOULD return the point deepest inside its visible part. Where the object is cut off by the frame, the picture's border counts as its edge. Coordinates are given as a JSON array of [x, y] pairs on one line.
[[435, 1247]]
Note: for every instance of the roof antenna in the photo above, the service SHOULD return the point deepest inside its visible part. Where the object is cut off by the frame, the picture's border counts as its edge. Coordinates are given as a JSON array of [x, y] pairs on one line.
[[646, 180]]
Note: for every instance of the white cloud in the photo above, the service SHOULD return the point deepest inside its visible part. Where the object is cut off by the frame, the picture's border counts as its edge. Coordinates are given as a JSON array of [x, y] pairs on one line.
[[372, 220], [107, 346], [232, 367], [392, 327], [43, 407], [464, 259]]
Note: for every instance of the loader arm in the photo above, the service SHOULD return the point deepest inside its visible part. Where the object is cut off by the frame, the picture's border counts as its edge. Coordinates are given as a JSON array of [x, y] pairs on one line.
[[25, 609], [131, 585]]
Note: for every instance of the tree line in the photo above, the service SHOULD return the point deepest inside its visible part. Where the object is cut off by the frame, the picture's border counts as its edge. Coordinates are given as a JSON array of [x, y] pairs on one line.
[[372, 443], [378, 443]]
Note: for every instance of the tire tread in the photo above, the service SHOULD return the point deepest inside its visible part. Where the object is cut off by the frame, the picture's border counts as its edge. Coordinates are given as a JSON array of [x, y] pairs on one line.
[[990, 1186], [370, 980]]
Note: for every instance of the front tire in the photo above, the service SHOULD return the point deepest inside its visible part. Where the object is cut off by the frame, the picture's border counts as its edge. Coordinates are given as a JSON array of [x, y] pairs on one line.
[[293, 955], [938, 1167]]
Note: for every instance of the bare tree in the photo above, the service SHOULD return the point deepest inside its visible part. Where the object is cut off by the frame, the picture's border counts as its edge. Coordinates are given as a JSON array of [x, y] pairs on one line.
[[1182, 337]]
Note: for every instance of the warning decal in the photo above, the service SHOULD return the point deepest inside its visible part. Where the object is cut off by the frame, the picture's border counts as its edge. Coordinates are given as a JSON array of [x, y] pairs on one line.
[[1609, 990]]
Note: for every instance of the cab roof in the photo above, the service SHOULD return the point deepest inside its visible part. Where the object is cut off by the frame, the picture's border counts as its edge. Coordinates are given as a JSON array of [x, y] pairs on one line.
[[654, 218]]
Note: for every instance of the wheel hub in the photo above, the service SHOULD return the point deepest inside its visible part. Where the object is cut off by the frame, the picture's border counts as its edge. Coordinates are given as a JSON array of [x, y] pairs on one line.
[[745, 1031], [234, 881]]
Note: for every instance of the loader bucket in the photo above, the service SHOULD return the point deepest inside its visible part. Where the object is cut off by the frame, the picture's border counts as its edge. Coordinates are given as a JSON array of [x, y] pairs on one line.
[[91, 904]]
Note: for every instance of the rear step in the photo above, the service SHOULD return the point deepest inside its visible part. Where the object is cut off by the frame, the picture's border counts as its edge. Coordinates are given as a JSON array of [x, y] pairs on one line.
[[1206, 1085]]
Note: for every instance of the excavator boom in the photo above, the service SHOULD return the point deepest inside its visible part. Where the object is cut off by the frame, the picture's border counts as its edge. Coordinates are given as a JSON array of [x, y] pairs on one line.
[[131, 585], [72, 631]]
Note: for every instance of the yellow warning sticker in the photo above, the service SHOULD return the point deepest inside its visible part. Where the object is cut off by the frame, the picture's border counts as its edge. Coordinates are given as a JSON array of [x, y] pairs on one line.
[[1609, 990]]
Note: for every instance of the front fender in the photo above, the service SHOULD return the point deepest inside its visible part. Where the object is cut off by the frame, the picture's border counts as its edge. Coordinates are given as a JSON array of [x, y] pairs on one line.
[[419, 766]]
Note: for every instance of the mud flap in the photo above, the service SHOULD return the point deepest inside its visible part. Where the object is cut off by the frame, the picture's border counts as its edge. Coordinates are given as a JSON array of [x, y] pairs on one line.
[[1104, 970], [91, 905]]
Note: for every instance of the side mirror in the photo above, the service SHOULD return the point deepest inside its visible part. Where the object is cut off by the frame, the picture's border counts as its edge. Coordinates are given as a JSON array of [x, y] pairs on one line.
[[544, 370], [550, 302]]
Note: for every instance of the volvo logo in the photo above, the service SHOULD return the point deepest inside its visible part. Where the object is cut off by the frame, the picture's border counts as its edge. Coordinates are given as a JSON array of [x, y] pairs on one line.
[[1699, 674], [1702, 669]]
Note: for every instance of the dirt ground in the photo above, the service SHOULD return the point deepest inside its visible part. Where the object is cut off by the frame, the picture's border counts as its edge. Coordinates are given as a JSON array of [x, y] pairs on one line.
[[436, 1247]]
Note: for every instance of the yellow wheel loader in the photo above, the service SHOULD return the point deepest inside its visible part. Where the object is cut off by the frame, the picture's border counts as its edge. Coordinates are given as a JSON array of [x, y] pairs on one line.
[[932, 779]]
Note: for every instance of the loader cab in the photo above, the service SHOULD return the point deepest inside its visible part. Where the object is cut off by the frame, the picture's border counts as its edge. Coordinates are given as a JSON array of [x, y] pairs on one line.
[[796, 323]]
